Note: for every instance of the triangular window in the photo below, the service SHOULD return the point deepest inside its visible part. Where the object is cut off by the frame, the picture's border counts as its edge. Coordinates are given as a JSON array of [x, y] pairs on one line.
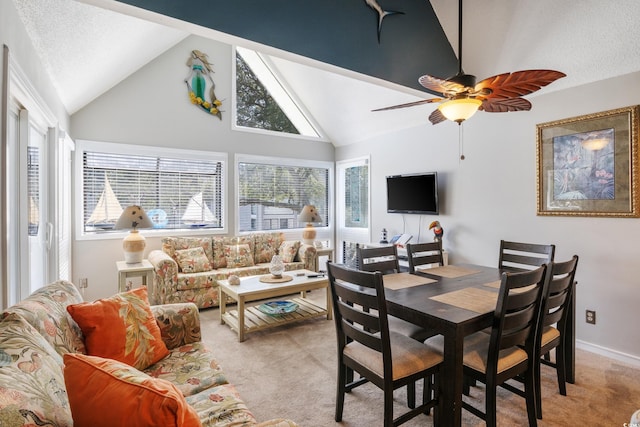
[[262, 101]]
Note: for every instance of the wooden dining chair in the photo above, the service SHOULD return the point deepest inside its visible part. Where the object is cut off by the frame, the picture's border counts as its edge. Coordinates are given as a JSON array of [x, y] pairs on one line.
[[518, 256], [424, 254], [553, 324], [385, 260], [381, 356], [509, 351]]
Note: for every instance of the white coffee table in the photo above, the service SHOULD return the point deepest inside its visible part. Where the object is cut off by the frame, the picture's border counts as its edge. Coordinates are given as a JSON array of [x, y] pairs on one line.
[[252, 289]]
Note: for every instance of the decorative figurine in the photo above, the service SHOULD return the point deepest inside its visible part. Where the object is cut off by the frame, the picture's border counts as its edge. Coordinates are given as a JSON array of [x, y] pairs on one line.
[[276, 268], [200, 71], [383, 237], [234, 280], [438, 231]]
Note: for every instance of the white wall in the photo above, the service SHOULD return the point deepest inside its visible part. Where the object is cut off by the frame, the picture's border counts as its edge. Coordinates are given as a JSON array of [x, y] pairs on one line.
[[492, 195], [152, 107]]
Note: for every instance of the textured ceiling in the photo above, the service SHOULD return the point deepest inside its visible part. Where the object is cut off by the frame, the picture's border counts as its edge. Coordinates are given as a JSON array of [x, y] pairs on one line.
[[88, 49]]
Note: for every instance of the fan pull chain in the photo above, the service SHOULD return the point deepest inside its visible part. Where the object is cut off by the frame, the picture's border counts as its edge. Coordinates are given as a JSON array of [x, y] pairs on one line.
[[461, 142]]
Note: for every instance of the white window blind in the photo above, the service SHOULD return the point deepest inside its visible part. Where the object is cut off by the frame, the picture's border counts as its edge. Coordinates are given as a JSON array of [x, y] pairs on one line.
[[176, 193], [271, 195]]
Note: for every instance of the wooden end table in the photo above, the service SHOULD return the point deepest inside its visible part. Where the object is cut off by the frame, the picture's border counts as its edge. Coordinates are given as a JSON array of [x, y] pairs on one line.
[[247, 319], [142, 269]]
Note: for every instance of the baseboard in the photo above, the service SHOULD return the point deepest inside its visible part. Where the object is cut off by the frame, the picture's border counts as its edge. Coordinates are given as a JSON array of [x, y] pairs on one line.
[[607, 352]]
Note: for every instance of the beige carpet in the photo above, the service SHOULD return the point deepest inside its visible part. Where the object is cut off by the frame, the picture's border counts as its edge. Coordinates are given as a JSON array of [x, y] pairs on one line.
[[290, 371]]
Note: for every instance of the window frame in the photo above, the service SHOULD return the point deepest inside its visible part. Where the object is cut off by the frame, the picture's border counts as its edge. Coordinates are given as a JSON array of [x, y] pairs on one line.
[[323, 232], [144, 150], [279, 81]]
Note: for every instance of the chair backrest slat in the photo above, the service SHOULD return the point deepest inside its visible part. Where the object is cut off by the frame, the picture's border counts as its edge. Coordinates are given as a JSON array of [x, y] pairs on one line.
[[519, 256], [360, 310], [561, 282], [383, 259], [517, 311], [424, 254]]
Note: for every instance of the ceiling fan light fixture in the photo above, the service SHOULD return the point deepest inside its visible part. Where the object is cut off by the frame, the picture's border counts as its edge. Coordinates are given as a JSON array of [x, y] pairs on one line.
[[459, 110]]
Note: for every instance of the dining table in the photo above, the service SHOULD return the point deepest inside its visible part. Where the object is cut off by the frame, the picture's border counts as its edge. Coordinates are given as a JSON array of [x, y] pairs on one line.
[[455, 301]]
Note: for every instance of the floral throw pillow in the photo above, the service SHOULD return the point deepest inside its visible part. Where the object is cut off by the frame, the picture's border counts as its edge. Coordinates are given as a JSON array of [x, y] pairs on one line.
[[97, 387], [122, 328], [192, 260], [238, 256], [289, 249]]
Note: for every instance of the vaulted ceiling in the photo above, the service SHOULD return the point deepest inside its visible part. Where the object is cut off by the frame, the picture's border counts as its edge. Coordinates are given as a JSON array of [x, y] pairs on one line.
[[328, 52]]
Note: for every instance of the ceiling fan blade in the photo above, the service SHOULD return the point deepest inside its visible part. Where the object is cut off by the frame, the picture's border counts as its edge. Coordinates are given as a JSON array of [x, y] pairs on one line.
[[519, 83], [504, 105], [410, 104], [436, 117], [439, 85]]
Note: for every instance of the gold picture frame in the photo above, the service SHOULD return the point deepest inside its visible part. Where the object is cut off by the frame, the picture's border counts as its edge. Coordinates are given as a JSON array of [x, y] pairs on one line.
[[588, 165]]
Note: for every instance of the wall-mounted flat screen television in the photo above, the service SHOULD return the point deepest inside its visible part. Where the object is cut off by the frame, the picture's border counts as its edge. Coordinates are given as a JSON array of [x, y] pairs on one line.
[[413, 193]]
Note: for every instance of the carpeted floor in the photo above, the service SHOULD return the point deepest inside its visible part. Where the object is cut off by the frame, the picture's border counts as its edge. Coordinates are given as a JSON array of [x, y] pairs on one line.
[[290, 371]]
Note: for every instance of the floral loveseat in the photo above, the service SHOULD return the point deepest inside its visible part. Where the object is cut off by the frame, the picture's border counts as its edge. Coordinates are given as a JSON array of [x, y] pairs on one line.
[[42, 348], [187, 268]]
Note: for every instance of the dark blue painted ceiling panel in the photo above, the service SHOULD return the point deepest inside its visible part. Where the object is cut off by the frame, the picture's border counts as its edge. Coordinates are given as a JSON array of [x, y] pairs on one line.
[[338, 32]]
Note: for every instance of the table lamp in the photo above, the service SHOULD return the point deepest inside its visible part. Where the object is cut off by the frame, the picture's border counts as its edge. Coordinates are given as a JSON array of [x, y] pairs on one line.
[[309, 215], [132, 218]]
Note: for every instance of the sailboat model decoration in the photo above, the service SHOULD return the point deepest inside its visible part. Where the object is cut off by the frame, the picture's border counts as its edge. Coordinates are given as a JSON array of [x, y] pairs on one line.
[[197, 213], [108, 209]]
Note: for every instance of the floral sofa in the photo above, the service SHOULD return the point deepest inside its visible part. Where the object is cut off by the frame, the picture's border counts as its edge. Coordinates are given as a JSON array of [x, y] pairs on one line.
[[187, 268], [41, 344]]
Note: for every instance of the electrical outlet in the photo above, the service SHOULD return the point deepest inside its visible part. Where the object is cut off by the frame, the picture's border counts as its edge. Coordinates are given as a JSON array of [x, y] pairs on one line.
[[591, 317], [84, 283]]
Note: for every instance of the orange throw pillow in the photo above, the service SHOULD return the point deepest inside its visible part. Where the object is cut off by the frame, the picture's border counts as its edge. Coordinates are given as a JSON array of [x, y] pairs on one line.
[[107, 393], [122, 328]]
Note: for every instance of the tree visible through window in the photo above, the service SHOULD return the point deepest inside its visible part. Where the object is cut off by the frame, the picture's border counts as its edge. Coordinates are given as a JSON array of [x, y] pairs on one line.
[[262, 99], [271, 195], [357, 196], [256, 108]]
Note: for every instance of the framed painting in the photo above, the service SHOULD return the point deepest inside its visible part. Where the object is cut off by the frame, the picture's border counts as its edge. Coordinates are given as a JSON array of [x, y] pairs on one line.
[[588, 165]]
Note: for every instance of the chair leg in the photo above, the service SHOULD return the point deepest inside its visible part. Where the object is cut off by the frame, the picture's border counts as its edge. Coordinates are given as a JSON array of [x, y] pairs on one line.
[[561, 371], [349, 377], [388, 407], [538, 388], [529, 393], [342, 378], [427, 392], [466, 385], [411, 395], [490, 405]]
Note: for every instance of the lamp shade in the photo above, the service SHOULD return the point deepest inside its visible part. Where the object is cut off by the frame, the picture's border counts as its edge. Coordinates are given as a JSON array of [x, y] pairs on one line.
[[310, 215], [132, 218], [459, 110]]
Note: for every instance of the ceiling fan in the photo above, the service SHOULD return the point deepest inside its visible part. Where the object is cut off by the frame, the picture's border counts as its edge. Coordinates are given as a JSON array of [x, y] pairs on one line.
[[461, 97]]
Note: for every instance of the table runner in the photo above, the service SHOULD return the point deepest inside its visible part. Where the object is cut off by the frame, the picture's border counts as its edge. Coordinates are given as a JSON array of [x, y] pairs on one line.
[[404, 280], [450, 271], [473, 299]]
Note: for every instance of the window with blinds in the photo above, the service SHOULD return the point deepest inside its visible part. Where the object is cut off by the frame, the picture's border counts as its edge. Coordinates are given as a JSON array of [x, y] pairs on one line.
[[271, 195], [176, 193]]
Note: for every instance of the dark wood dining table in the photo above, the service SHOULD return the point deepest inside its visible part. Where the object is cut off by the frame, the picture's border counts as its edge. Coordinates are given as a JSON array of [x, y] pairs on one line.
[[454, 306]]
